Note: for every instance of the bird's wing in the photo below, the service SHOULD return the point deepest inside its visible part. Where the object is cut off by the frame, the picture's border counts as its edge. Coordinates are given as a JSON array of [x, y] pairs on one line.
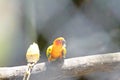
[[49, 49]]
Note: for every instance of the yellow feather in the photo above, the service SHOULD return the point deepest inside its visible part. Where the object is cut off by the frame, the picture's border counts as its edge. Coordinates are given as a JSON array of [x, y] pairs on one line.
[[49, 49]]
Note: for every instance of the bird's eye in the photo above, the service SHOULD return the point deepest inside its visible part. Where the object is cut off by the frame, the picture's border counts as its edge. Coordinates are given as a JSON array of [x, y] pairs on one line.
[[58, 41]]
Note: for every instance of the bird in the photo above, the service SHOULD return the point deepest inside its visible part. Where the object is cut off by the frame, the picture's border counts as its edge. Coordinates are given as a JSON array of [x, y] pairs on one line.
[[32, 57], [57, 50]]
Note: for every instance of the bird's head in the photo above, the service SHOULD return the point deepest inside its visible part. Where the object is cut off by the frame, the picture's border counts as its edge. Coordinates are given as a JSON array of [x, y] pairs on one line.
[[60, 41]]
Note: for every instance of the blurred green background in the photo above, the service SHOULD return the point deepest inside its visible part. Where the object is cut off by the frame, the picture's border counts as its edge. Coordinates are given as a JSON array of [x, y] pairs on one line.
[[89, 27]]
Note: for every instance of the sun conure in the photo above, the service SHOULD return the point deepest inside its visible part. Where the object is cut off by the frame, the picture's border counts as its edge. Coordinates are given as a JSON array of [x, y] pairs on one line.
[[57, 50]]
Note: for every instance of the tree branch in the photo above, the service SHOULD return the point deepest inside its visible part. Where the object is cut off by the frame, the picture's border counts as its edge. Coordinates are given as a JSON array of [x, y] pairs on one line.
[[72, 67]]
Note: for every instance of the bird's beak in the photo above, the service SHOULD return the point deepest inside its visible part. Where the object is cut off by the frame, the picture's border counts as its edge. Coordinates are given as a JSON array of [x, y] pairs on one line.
[[64, 43]]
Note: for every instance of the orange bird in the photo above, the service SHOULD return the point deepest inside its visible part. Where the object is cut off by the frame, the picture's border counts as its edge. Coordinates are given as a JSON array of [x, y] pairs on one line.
[[57, 49]]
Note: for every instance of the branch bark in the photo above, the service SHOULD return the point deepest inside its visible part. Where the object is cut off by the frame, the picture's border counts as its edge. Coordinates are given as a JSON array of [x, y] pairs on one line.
[[69, 67]]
